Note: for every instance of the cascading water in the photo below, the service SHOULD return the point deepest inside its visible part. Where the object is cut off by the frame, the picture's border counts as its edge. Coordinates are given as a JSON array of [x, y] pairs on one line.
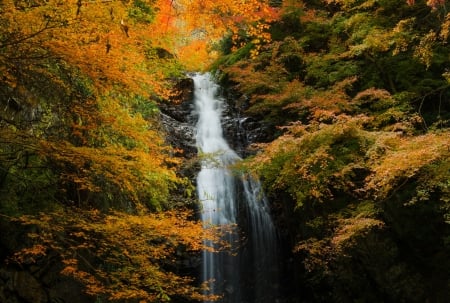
[[248, 272]]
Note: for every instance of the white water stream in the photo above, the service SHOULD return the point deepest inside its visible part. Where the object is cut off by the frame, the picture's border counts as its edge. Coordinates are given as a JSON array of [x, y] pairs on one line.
[[247, 273]]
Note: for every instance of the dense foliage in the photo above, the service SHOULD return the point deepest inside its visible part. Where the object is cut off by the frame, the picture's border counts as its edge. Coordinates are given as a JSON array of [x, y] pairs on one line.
[[84, 161], [357, 95]]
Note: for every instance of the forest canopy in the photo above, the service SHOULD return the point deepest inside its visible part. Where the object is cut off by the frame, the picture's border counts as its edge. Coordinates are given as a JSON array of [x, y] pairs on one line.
[[356, 163], [354, 99], [83, 152]]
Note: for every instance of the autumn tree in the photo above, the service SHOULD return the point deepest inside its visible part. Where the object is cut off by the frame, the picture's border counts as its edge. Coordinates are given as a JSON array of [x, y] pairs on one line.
[[117, 256], [355, 97], [77, 63], [200, 24], [80, 130]]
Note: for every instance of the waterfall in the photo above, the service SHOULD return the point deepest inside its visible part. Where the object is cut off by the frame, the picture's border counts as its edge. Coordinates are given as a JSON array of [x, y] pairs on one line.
[[248, 271]]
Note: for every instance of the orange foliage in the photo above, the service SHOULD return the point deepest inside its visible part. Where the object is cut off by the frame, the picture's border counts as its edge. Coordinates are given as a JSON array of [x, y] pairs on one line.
[[349, 228], [333, 101], [196, 55], [207, 21], [110, 46], [403, 158], [89, 56], [213, 18], [130, 252], [107, 40]]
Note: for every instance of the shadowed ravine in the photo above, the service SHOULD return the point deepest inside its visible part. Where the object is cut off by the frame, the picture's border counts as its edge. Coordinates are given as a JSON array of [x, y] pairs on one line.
[[248, 272]]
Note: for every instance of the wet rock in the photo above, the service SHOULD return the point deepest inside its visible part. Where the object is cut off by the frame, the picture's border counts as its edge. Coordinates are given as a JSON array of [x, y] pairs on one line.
[[179, 107], [240, 129], [179, 135], [177, 119]]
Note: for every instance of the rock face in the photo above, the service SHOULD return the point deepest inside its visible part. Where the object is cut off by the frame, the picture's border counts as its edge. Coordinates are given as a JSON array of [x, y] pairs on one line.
[[179, 135], [240, 129], [179, 121]]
